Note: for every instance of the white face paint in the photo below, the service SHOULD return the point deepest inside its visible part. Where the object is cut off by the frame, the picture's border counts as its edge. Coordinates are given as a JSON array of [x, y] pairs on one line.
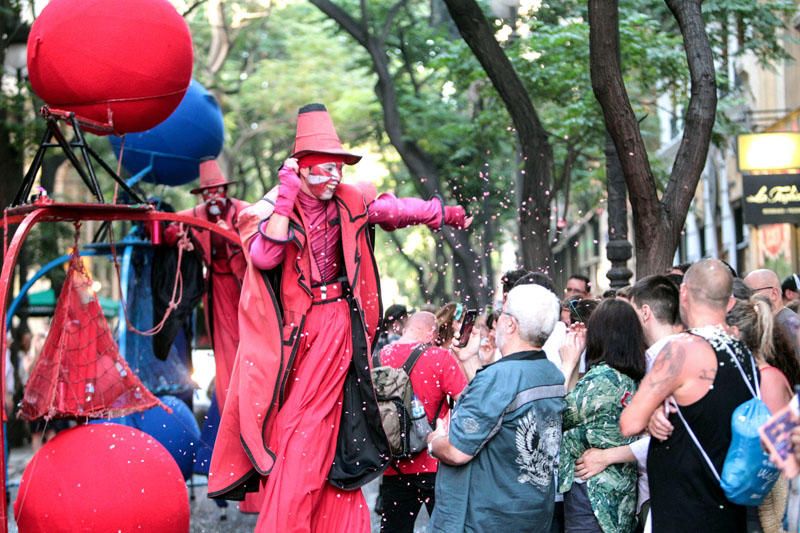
[[216, 206], [215, 199], [323, 179]]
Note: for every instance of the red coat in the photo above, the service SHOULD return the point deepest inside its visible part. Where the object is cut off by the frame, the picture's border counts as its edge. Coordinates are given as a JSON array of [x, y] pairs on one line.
[[269, 330], [203, 238], [224, 279]]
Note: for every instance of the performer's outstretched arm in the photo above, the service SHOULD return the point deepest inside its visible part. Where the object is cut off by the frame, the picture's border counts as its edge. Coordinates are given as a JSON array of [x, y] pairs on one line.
[[392, 213]]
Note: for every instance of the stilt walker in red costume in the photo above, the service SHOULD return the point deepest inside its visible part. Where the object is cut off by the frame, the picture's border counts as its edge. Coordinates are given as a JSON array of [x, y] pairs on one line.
[[225, 268], [301, 416]]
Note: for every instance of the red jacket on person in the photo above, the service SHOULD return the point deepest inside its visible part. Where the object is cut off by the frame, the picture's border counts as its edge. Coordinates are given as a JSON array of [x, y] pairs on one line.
[[225, 270], [269, 328], [203, 238]]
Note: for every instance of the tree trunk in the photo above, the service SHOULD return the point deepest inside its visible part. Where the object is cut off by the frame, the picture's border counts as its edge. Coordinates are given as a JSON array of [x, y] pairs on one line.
[[657, 223], [422, 284], [440, 295], [10, 162], [10, 166], [220, 39], [465, 286], [419, 163], [537, 153]]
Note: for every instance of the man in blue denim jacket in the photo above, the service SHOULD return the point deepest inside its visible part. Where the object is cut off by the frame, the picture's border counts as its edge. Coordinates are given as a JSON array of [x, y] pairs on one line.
[[499, 456]]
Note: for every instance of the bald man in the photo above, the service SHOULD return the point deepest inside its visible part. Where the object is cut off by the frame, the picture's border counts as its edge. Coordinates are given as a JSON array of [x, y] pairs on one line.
[[700, 372], [766, 282], [436, 375], [419, 327]]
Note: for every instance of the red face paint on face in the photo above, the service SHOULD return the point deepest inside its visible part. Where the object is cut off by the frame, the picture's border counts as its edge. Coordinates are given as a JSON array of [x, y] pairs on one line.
[[215, 199], [323, 179]]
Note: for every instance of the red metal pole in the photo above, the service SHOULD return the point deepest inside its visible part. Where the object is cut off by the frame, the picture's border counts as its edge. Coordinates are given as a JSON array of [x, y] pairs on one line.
[[9, 262], [56, 212]]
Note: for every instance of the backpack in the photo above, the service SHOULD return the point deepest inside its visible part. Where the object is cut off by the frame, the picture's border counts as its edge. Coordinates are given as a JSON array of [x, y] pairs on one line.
[[747, 473], [402, 414]]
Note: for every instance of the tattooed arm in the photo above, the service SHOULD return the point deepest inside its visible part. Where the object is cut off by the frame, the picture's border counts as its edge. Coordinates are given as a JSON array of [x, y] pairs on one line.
[[684, 369], [657, 386]]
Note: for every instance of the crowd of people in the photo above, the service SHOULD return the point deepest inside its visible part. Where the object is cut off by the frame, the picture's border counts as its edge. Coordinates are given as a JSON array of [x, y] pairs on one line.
[[579, 413], [592, 414], [554, 410]]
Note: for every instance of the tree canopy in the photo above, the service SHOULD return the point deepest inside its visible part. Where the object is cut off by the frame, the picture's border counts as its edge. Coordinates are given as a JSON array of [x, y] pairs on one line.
[[406, 85]]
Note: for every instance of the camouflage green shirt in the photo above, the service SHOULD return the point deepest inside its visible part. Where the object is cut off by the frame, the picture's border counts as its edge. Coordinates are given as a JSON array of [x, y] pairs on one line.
[[591, 420]]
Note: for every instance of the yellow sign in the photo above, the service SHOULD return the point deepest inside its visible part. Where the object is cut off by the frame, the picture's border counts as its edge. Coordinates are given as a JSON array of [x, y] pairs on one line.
[[768, 151]]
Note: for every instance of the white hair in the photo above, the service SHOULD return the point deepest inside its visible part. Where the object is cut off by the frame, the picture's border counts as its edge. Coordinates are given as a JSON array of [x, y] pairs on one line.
[[536, 309]]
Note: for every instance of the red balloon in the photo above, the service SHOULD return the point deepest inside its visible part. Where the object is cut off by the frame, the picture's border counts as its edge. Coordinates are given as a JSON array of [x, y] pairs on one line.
[[124, 63], [102, 477]]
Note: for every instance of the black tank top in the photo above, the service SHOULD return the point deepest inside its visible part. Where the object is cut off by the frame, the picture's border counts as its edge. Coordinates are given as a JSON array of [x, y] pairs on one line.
[[684, 494]]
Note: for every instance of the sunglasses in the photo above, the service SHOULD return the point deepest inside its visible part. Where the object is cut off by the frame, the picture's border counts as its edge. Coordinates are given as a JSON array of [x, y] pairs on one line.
[[763, 288]]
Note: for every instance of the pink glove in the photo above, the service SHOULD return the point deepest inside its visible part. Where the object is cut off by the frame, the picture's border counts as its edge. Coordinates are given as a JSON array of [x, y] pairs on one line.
[[455, 216], [288, 188], [392, 213]]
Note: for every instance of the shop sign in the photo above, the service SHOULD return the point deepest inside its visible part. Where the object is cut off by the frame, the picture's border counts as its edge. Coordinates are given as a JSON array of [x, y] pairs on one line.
[[771, 199]]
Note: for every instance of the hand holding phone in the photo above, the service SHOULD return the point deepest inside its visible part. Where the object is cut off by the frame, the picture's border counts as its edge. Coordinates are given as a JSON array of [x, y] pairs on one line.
[[466, 328]]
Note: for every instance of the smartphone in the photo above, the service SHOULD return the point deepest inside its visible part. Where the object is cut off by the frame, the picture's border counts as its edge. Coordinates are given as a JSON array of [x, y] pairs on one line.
[[466, 327]]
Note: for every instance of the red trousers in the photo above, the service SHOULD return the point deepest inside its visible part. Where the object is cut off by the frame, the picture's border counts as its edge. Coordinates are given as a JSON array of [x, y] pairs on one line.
[[297, 496]]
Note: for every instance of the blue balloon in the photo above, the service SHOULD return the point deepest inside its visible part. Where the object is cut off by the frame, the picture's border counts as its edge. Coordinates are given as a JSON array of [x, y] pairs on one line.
[[177, 432], [170, 153]]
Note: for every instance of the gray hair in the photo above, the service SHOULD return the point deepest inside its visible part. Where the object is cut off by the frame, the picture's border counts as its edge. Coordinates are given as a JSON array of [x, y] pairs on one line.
[[536, 309]]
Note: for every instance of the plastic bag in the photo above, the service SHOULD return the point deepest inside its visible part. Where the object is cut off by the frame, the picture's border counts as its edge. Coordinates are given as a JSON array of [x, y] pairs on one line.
[[747, 474]]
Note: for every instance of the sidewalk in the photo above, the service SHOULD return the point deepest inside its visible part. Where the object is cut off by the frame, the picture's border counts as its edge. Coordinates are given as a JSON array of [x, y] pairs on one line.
[[17, 461]]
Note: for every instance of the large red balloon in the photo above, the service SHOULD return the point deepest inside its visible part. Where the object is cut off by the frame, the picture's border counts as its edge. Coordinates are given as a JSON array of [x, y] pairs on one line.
[[126, 63], [102, 477]]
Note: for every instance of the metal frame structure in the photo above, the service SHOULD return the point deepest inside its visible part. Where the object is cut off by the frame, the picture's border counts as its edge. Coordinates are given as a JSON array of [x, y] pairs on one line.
[[85, 169], [27, 216]]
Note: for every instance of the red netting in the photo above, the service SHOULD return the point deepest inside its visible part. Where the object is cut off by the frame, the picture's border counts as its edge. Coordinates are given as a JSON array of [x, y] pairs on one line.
[[80, 372]]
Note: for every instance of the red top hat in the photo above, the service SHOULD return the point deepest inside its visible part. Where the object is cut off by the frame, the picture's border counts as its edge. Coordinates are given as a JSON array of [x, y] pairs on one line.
[[211, 176], [316, 135]]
